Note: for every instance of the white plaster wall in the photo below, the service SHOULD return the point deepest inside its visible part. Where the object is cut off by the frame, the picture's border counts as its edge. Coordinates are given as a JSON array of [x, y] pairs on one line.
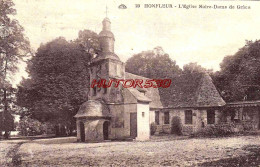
[[143, 122]]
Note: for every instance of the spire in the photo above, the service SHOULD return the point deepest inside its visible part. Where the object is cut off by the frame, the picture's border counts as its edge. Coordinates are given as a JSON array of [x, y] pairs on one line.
[[106, 42], [106, 10], [106, 24], [106, 37]]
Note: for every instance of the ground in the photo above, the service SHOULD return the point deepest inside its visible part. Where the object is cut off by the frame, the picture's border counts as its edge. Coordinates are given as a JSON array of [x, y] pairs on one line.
[[230, 151]]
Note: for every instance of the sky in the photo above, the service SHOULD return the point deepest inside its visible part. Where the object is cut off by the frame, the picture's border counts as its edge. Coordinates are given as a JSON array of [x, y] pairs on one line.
[[204, 36]]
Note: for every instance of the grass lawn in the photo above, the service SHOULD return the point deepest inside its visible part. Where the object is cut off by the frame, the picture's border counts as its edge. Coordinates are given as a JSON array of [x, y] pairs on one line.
[[182, 152]]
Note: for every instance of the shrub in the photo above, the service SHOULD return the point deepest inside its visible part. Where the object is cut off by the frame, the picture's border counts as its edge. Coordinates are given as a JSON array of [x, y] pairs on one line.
[[218, 130], [153, 128], [247, 125], [31, 127], [176, 126]]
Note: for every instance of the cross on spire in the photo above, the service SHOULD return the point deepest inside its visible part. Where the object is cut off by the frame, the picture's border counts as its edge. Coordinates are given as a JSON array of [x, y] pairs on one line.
[[106, 10]]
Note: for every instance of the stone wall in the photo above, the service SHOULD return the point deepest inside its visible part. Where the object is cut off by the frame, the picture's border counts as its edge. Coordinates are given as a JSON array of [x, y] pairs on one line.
[[78, 130], [244, 117], [105, 70], [93, 130], [117, 121], [199, 117], [107, 44]]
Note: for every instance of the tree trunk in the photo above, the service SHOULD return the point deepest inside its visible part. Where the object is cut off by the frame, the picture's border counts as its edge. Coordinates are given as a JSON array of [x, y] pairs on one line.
[[57, 131], [5, 103], [7, 134]]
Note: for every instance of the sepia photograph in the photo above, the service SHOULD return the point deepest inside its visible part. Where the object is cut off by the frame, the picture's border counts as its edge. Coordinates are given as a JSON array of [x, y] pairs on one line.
[[129, 83]]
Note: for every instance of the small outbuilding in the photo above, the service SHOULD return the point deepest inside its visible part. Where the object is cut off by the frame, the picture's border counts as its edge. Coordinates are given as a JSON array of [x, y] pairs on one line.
[[93, 120]]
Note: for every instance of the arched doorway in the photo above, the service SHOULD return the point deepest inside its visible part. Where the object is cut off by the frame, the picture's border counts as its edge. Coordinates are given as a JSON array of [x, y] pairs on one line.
[[105, 130], [82, 132]]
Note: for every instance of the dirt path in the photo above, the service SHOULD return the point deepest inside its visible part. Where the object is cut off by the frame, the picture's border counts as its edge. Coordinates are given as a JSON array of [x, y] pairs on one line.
[[9, 152], [12, 157]]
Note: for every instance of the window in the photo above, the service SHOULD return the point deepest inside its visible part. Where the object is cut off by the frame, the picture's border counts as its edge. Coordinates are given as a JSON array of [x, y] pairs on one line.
[[95, 91], [142, 114], [115, 69], [157, 118], [188, 116], [211, 116], [166, 117], [142, 91], [118, 70], [99, 69]]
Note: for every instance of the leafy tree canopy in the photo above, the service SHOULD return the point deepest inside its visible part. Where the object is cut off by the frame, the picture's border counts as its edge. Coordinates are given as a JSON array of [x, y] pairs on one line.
[[152, 64], [239, 77], [58, 79], [155, 64], [195, 68]]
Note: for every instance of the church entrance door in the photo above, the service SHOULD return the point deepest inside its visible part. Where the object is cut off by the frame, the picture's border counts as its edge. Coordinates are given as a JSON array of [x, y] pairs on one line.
[[133, 125], [105, 130], [82, 132]]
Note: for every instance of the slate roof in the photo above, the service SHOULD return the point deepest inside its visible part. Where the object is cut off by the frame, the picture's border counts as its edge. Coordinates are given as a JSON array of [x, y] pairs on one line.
[[138, 95], [93, 108], [151, 94], [192, 90]]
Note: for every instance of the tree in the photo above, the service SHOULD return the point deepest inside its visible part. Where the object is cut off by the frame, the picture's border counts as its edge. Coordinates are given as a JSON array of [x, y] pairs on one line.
[[152, 64], [88, 41], [239, 77], [14, 47], [29, 127], [194, 68], [58, 81]]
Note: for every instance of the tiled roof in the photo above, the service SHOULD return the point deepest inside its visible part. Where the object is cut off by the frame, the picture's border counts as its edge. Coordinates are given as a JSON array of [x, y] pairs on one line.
[[138, 95], [192, 90], [150, 93]]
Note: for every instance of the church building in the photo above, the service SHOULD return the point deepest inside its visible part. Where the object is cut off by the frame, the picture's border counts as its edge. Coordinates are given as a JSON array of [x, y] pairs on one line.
[[127, 113]]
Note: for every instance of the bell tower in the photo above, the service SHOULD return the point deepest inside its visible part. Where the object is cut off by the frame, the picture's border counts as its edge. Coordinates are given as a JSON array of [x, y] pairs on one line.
[[106, 37], [106, 65]]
